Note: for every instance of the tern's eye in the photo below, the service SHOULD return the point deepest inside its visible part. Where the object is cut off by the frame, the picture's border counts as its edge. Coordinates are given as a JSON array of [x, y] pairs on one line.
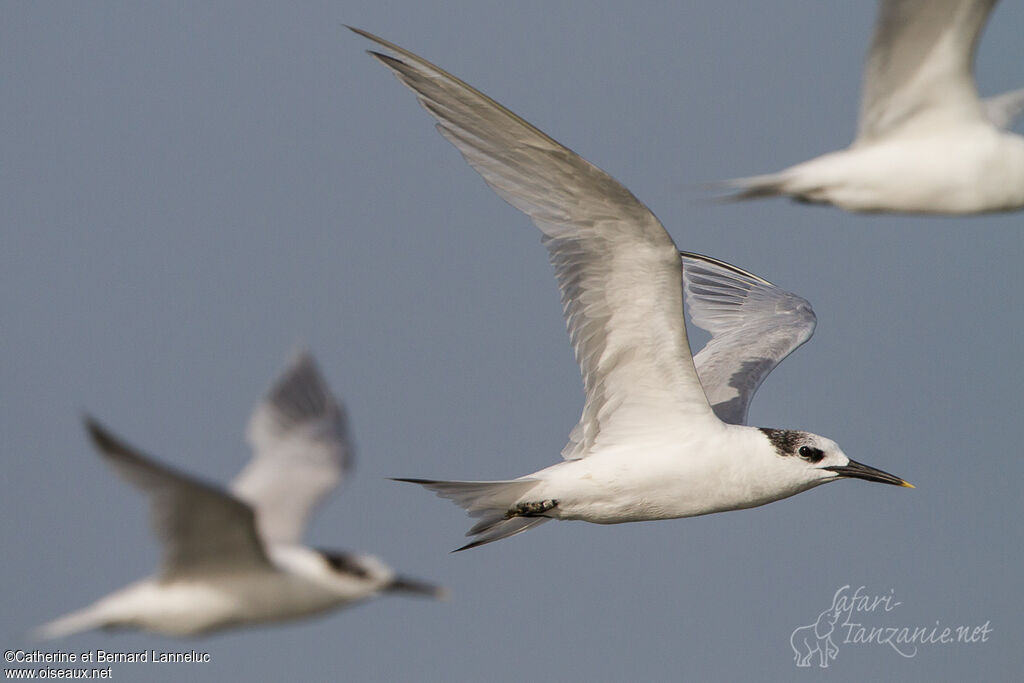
[[811, 454]]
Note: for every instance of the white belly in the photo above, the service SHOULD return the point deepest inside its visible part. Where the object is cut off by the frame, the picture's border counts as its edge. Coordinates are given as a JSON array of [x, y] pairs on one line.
[[613, 490], [186, 608], [976, 169]]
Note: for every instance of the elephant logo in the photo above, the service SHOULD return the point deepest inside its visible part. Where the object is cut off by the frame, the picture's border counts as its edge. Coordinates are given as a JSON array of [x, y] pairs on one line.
[[816, 638]]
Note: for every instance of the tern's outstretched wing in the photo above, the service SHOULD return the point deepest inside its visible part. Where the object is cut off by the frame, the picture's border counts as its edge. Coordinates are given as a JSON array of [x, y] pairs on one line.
[[920, 64], [617, 268], [301, 452], [754, 325], [203, 529]]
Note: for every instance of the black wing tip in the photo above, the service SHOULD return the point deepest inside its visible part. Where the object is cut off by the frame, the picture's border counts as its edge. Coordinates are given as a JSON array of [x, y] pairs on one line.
[[89, 421], [108, 444], [101, 436], [300, 392]]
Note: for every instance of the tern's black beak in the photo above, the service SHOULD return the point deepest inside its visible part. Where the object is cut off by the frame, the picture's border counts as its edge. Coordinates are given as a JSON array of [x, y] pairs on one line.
[[859, 471], [403, 584]]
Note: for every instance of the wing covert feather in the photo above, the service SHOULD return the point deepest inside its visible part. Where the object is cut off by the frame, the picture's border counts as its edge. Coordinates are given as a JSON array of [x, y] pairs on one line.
[[203, 530]]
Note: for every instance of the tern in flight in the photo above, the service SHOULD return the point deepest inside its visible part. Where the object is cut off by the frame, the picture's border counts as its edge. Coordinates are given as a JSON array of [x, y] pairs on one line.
[[925, 142], [648, 445], [234, 557]]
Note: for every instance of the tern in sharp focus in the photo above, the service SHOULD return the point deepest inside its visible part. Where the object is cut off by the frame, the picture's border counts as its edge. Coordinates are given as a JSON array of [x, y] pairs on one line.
[[648, 445], [925, 141], [235, 558]]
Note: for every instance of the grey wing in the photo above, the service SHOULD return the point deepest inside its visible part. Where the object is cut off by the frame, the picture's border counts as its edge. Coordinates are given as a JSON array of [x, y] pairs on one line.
[[202, 529], [617, 268], [920, 64], [754, 325], [301, 451]]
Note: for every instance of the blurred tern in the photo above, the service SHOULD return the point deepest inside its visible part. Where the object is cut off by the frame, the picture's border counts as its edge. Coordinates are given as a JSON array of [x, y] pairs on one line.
[[235, 558], [648, 445], [925, 142]]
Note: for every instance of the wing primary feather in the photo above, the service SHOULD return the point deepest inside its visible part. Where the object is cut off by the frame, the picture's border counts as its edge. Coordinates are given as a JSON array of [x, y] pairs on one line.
[[617, 268], [301, 451]]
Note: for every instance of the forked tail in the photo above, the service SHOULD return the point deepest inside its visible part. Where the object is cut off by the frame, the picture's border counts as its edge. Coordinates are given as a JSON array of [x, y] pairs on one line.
[[493, 502]]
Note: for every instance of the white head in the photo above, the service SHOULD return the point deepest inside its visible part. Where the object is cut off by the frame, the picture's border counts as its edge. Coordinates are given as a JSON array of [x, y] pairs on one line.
[[808, 460]]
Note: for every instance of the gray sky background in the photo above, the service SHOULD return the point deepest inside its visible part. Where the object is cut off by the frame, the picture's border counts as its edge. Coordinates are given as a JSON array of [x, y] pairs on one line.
[[191, 189]]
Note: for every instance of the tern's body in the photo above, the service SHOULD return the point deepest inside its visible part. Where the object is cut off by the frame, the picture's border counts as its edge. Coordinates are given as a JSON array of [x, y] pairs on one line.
[[969, 168], [233, 558], [926, 143], [649, 444], [299, 583], [608, 487]]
